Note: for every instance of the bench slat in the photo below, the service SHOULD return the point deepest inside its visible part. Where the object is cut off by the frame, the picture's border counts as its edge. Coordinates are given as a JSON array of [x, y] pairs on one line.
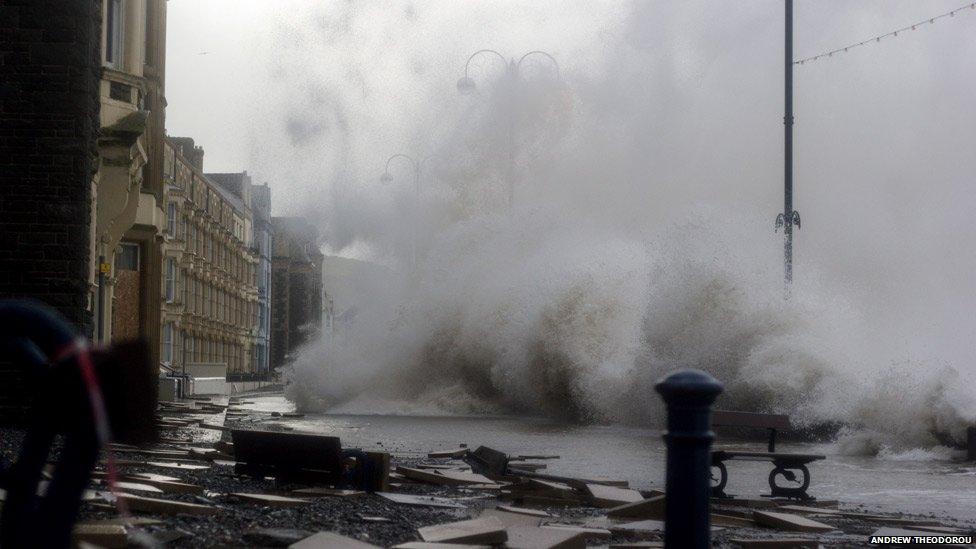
[[729, 418]]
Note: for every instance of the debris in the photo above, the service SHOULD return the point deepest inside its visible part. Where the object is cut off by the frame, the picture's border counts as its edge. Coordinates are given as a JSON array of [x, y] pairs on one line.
[[716, 519], [165, 506], [330, 540], [453, 454], [487, 461], [637, 545], [271, 500], [422, 501], [611, 496], [102, 535], [137, 487], [783, 543], [178, 465], [588, 533], [275, 537], [531, 537], [643, 529], [524, 511], [786, 521], [288, 456], [444, 478], [427, 545], [366, 518], [173, 487], [527, 458], [809, 510], [511, 519], [486, 530], [650, 508], [328, 492]]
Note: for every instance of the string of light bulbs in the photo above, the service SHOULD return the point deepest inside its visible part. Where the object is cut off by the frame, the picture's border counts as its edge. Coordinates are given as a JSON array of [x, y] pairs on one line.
[[892, 34]]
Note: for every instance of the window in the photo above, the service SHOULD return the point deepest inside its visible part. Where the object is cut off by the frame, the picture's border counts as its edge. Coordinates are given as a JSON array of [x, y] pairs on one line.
[[114, 18], [127, 257], [170, 280], [171, 218], [168, 342]]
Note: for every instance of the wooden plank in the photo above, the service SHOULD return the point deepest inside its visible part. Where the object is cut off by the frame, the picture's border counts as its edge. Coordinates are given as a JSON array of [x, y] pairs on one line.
[[643, 529], [728, 520], [532, 537], [330, 540], [650, 508], [270, 500], [178, 465], [486, 530], [790, 522], [612, 496]]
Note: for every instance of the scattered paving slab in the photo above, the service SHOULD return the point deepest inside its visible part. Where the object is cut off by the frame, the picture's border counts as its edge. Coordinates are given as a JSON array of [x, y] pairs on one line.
[[109, 536], [650, 508], [790, 522], [612, 496], [275, 537], [427, 545], [271, 500], [717, 519], [487, 530], [588, 533], [453, 454], [422, 501], [641, 529], [530, 537], [328, 492], [137, 487], [511, 519], [524, 511], [330, 540], [637, 545], [165, 506], [178, 465], [778, 543]]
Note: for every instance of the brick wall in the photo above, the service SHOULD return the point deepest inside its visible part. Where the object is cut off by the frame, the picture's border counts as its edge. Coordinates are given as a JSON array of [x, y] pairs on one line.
[[49, 73]]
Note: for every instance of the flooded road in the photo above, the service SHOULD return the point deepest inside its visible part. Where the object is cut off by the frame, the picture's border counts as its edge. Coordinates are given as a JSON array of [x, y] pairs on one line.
[[926, 486]]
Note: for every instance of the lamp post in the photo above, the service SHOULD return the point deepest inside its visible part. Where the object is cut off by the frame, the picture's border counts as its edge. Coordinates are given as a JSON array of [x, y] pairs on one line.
[[789, 217], [466, 86], [387, 177]]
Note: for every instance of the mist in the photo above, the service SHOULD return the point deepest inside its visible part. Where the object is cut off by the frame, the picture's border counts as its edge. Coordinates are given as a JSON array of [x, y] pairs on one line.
[[647, 179]]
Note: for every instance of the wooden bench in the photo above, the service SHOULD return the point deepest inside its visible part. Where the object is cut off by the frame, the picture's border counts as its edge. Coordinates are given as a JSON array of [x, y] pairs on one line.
[[785, 465]]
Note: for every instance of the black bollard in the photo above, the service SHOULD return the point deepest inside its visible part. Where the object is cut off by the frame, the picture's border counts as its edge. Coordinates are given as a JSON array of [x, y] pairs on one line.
[[971, 443], [689, 395]]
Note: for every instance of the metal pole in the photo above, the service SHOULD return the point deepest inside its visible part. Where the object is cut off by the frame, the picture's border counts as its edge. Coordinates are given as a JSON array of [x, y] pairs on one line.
[[689, 395], [788, 151]]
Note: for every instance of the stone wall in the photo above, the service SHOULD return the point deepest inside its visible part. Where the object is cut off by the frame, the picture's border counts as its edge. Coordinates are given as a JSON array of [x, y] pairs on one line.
[[49, 105]]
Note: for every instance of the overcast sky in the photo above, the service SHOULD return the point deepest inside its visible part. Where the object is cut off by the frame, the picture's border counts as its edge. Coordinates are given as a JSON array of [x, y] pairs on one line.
[[240, 71]]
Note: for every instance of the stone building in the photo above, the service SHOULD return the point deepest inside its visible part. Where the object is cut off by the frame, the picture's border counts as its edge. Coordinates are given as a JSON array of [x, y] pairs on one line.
[[258, 201], [209, 305], [128, 234], [49, 121], [263, 238], [296, 287]]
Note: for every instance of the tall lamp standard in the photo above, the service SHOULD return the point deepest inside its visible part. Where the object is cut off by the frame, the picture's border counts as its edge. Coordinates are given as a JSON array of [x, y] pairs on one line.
[[387, 177], [466, 86], [789, 217]]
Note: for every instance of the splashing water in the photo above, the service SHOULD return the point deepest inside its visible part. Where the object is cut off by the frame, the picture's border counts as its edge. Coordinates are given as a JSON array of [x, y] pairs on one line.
[[641, 241]]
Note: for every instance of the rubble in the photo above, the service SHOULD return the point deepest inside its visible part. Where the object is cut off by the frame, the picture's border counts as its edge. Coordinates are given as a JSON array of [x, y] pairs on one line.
[[459, 496]]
